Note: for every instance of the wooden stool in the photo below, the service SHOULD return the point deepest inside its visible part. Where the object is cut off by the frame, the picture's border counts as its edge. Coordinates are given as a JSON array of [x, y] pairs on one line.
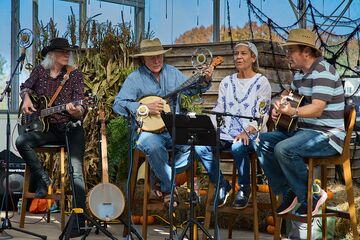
[[52, 149], [253, 204], [148, 205], [344, 160]]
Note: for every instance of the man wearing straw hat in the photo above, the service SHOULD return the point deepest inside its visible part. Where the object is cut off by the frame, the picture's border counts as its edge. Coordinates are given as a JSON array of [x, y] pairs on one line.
[[320, 129], [154, 77]]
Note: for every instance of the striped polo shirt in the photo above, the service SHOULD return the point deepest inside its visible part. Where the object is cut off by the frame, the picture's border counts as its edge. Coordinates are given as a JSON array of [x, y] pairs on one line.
[[322, 82]]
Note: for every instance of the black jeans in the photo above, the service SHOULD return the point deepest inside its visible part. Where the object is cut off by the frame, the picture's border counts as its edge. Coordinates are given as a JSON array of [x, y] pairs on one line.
[[56, 135]]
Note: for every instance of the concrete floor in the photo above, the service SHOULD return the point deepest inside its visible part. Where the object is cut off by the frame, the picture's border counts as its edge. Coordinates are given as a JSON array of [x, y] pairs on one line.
[[36, 224]]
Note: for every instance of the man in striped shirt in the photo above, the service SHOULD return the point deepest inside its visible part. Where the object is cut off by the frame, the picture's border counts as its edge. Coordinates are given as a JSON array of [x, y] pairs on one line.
[[320, 130]]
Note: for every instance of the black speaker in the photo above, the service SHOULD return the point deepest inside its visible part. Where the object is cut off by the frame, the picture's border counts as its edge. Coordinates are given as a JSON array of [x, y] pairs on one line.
[[16, 179]]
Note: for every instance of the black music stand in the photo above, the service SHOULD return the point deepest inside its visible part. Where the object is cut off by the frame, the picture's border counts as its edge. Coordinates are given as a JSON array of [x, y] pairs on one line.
[[192, 130]]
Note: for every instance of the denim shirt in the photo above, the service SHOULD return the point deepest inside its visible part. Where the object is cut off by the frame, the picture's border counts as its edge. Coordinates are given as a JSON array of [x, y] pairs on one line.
[[142, 82]]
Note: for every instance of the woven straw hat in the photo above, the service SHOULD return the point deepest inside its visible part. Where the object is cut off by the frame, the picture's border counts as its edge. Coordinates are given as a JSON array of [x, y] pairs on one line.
[[301, 37], [150, 48]]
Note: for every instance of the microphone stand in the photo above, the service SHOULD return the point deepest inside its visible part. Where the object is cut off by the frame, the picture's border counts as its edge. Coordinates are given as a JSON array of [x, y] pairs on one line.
[[131, 229], [174, 97], [6, 221], [219, 121]]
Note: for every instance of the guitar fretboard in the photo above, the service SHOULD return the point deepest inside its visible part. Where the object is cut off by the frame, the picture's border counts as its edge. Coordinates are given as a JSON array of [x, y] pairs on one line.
[[48, 111]]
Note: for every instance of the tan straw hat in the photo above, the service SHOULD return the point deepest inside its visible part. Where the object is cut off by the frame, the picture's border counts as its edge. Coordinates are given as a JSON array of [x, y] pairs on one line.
[[301, 37], [151, 48]]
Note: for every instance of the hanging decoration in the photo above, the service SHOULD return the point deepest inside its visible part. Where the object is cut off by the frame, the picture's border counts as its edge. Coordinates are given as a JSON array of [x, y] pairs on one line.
[[323, 29], [197, 13]]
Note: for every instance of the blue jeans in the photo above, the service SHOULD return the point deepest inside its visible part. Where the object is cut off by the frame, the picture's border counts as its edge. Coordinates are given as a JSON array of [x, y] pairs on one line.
[[281, 155], [240, 154], [156, 146]]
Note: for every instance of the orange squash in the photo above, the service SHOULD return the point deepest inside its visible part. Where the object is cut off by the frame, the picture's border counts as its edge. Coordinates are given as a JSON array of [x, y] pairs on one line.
[[135, 219], [150, 220], [270, 220], [263, 188], [270, 229], [203, 192], [180, 178]]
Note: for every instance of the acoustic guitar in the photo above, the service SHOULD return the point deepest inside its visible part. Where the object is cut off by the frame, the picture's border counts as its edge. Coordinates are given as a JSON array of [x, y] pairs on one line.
[[39, 120], [105, 201], [285, 122], [154, 123]]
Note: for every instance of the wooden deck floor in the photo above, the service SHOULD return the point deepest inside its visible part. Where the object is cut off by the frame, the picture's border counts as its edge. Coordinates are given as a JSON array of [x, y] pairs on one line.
[[36, 224]]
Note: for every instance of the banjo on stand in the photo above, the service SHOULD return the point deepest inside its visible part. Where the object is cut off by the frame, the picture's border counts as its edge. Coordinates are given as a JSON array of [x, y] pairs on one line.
[[105, 201]]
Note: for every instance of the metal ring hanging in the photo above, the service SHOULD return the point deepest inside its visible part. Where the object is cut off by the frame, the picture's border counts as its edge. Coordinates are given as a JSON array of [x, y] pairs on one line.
[[202, 57], [25, 38]]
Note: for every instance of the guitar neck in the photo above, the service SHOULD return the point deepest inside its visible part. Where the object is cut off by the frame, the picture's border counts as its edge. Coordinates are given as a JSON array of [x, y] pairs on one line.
[[57, 109]]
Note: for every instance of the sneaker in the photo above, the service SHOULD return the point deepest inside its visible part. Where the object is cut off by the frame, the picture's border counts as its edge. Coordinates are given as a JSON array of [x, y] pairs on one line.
[[224, 193], [242, 197], [288, 203], [317, 202]]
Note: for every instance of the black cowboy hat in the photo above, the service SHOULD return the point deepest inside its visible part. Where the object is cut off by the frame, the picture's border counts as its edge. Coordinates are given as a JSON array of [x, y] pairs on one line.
[[58, 43]]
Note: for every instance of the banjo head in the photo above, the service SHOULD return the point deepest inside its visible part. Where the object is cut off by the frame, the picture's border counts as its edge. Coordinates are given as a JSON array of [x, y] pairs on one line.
[[154, 123], [106, 201]]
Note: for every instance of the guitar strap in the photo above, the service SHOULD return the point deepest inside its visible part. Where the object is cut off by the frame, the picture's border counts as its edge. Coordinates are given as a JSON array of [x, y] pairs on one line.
[[69, 69]]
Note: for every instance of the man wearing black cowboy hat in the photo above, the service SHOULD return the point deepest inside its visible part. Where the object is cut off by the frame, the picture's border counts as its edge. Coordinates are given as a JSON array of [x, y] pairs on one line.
[[56, 73], [320, 129], [155, 78]]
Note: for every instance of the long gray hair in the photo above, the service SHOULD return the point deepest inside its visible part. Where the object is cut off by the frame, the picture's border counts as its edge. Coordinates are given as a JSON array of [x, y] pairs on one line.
[[49, 60]]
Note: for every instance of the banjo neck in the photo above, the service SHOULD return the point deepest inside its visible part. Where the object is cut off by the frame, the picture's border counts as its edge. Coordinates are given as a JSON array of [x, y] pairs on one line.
[[104, 159]]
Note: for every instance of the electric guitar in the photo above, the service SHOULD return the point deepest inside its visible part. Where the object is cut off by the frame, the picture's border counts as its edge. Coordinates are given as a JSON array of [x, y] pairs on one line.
[[285, 122], [105, 201], [39, 120], [154, 123]]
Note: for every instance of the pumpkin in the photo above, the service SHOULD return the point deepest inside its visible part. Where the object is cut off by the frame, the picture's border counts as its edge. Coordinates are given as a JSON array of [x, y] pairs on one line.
[[270, 220], [203, 192], [150, 220], [135, 219], [270, 229], [263, 188], [180, 178]]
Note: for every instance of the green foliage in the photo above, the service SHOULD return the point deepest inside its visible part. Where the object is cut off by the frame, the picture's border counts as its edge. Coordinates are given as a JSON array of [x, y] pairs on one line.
[[189, 103], [118, 149]]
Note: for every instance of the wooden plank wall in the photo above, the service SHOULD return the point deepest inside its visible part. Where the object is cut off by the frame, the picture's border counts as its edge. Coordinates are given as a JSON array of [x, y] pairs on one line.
[[180, 56]]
